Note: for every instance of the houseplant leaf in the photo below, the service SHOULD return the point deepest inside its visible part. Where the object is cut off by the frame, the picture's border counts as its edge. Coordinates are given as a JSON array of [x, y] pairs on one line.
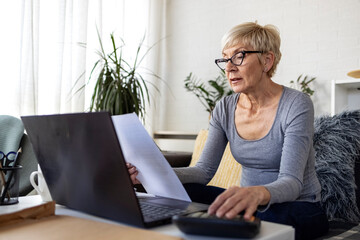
[[119, 86]]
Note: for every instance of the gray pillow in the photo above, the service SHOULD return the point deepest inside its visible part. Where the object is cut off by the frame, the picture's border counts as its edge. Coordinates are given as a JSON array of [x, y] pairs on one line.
[[337, 148]]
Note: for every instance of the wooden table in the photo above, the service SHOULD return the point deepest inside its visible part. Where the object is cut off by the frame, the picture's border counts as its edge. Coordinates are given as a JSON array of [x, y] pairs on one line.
[[268, 231]]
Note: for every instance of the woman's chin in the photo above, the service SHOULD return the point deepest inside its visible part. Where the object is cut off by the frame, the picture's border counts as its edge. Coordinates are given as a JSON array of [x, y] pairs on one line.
[[237, 89]]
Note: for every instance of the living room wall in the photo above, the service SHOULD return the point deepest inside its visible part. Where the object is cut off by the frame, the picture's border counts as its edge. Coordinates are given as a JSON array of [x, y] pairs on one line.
[[319, 38]]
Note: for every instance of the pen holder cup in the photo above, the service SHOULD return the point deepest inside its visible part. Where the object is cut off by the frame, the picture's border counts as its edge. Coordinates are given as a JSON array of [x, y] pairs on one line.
[[9, 185]]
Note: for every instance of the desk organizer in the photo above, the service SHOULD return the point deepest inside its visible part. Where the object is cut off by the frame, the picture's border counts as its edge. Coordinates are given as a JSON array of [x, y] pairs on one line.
[[9, 185]]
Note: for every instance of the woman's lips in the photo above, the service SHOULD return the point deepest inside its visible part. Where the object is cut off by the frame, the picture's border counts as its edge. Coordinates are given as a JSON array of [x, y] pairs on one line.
[[235, 80]]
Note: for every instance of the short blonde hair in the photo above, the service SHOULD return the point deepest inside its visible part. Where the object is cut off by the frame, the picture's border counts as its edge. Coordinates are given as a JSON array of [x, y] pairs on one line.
[[261, 38]]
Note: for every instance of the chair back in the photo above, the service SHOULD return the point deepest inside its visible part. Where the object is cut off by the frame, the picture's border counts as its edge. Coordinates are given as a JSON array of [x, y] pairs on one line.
[[11, 132], [12, 137]]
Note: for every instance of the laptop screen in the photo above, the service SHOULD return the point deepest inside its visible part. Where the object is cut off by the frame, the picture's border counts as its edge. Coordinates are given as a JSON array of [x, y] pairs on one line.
[[83, 164]]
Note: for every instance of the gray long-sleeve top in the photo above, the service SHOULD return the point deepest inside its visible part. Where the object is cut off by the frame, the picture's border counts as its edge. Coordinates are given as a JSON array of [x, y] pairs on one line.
[[282, 161]]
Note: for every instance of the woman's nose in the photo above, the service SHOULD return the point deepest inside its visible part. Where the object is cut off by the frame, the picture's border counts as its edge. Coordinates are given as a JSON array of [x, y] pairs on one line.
[[229, 66]]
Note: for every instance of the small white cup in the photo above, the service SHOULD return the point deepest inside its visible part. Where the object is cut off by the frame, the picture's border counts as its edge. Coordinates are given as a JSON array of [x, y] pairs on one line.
[[41, 188]]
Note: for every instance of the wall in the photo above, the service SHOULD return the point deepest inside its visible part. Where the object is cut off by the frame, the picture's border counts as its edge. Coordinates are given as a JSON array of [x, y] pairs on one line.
[[319, 38]]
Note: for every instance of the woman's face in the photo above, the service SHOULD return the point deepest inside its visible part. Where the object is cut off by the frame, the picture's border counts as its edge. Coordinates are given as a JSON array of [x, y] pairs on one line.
[[246, 77]]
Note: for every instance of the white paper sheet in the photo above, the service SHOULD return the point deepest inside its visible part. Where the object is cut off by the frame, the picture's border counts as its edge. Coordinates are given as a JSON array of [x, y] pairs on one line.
[[139, 149]]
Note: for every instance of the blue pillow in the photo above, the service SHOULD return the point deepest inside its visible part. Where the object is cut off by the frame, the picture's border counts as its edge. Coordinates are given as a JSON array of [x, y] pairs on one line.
[[337, 148]]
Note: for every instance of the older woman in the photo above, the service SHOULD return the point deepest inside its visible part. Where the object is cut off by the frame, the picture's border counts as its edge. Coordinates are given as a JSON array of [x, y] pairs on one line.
[[270, 131]]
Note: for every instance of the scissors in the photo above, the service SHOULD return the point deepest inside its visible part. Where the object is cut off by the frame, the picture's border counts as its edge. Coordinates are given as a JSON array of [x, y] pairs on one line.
[[7, 160]]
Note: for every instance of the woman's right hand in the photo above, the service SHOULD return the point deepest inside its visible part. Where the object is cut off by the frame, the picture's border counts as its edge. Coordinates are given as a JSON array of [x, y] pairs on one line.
[[133, 173]]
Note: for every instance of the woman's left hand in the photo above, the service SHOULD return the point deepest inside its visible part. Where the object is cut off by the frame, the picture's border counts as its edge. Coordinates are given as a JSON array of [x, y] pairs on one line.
[[237, 199]]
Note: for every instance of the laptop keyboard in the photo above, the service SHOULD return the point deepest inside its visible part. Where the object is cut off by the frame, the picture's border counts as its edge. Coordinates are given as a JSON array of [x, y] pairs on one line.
[[158, 212]]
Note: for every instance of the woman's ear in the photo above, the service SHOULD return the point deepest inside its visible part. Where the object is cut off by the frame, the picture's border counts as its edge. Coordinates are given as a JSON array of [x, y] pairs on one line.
[[269, 58]]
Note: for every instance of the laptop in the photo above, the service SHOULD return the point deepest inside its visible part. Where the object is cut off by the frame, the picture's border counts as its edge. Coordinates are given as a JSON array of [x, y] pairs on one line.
[[84, 167]]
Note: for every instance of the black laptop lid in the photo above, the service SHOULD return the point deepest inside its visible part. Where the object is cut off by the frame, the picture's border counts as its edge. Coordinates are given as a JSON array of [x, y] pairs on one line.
[[83, 165]]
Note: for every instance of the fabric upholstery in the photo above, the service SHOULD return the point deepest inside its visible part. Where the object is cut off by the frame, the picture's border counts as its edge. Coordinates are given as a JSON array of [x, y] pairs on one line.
[[29, 162], [229, 170], [337, 148], [11, 132], [177, 159], [12, 137]]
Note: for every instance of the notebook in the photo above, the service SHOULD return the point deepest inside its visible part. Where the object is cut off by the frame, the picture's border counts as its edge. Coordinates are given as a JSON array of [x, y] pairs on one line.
[[84, 167]]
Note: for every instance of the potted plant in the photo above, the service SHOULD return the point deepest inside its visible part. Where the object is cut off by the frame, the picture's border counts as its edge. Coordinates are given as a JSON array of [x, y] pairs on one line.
[[209, 93], [303, 84], [119, 88]]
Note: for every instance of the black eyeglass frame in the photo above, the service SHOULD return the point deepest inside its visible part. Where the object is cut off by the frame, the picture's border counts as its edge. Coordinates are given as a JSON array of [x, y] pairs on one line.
[[225, 60]]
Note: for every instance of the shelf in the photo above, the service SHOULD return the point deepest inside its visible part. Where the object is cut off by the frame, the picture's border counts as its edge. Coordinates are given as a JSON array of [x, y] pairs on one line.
[[348, 83], [175, 140], [345, 95], [175, 135]]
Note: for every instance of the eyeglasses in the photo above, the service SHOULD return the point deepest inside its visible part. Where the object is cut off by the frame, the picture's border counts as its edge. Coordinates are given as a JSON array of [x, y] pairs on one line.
[[7, 159], [236, 60]]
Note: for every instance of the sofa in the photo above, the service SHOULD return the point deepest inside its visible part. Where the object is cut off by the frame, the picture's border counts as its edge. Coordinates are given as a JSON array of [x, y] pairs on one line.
[[337, 154]]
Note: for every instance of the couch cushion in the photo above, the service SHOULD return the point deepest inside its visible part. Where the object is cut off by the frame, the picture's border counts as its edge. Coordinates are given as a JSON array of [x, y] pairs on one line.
[[229, 170], [337, 148], [177, 158], [342, 230]]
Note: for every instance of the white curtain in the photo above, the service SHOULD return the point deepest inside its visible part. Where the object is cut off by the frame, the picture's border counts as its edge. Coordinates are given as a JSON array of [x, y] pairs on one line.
[[45, 60]]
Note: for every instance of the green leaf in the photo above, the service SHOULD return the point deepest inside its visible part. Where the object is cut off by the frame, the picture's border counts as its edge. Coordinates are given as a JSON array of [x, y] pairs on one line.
[[209, 93], [119, 86], [302, 83]]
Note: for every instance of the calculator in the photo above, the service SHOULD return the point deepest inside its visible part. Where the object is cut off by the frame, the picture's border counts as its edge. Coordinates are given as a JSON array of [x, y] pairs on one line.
[[201, 223]]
